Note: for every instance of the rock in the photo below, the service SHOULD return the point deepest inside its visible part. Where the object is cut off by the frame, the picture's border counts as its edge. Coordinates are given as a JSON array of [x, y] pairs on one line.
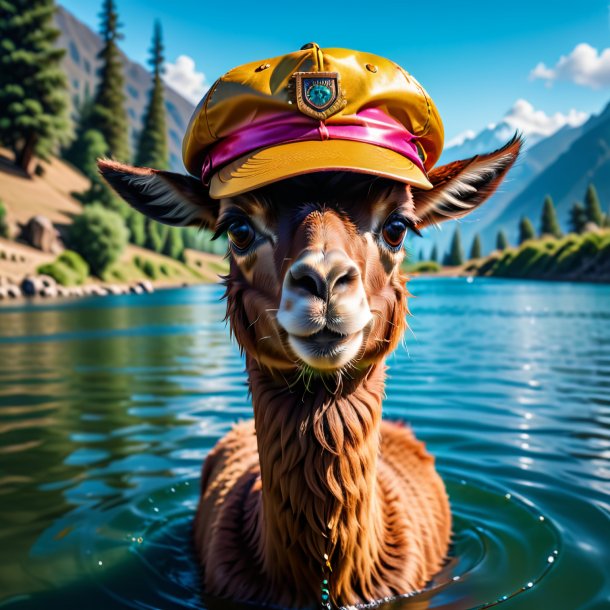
[[13, 292], [114, 289], [32, 286], [3, 293], [40, 233], [77, 291], [146, 286], [136, 290], [48, 292]]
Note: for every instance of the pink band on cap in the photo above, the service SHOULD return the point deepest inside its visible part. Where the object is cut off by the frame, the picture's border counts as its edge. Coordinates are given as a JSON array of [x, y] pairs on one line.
[[371, 126]]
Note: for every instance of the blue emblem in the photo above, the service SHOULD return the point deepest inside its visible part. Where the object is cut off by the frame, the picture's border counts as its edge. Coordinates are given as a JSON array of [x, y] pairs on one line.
[[318, 94]]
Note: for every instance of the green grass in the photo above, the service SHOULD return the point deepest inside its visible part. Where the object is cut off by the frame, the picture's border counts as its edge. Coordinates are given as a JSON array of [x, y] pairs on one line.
[[571, 257]]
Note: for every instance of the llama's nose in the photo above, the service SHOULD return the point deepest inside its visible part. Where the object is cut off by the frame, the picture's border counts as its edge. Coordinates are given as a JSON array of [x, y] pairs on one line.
[[310, 280], [324, 281]]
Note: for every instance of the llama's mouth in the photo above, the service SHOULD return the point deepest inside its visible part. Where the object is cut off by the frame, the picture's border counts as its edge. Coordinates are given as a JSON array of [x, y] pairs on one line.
[[326, 350]]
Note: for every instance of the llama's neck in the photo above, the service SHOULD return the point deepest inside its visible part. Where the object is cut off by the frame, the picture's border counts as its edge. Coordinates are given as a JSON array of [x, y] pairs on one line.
[[318, 453]]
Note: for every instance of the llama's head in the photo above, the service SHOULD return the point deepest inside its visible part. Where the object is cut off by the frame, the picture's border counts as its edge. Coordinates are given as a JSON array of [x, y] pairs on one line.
[[315, 280]]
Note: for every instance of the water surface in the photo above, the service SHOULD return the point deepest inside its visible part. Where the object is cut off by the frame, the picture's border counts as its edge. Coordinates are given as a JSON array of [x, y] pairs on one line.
[[108, 407]]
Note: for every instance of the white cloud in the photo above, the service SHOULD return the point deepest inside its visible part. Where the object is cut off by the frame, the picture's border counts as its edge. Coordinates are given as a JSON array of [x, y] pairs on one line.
[[461, 138], [524, 117], [584, 66], [184, 78]]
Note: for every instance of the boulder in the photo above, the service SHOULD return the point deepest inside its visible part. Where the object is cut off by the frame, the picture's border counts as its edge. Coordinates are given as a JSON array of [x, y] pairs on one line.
[[13, 292], [40, 233], [146, 286], [49, 292], [136, 289], [34, 285]]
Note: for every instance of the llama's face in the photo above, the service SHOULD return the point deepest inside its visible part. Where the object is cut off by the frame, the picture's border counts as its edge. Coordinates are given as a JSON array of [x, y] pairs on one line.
[[315, 280], [315, 276]]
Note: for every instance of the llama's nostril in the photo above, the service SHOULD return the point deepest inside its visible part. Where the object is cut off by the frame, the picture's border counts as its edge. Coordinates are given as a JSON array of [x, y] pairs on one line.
[[342, 279], [309, 280]]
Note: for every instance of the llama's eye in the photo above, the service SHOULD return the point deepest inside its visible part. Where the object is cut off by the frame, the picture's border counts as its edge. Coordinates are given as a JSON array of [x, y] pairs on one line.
[[241, 234], [394, 231]]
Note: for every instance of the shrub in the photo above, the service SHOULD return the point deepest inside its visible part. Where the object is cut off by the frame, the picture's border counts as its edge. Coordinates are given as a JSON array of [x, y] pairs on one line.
[[68, 269], [99, 236], [150, 269], [4, 232], [425, 267]]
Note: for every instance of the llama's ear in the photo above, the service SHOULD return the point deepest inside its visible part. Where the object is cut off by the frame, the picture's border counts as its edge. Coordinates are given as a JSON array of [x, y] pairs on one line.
[[173, 199], [462, 186]]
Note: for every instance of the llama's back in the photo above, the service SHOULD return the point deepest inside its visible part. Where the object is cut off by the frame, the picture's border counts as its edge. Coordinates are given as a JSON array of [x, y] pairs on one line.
[[408, 479]]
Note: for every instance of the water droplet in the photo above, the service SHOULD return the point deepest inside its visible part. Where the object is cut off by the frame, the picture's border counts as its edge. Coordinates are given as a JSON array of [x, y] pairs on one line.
[[508, 496], [541, 518], [530, 585], [456, 578], [528, 416], [173, 490], [550, 559], [140, 540], [156, 509], [99, 563]]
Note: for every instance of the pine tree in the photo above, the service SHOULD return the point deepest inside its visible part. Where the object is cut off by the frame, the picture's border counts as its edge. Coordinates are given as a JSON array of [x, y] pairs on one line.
[[33, 98], [526, 230], [174, 245], [152, 143], [549, 225], [156, 235], [501, 240], [476, 250], [136, 223], [108, 113], [434, 254], [455, 256], [592, 206], [578, 217]]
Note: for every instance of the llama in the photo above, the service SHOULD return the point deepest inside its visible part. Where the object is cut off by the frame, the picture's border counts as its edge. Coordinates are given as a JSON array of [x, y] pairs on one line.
[[318, 499]]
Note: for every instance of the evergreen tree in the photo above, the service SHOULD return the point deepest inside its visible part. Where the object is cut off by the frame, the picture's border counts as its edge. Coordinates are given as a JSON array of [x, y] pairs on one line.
[[33, 100], [136, 223], [607, 219], [108, 114], [578, 218], [4, 228], [434, 254], [501, 240], [476, 248], [455, 256], [549, 225], [152, 143], [174, 244], [156, 235], [526, 230], [592, 206]]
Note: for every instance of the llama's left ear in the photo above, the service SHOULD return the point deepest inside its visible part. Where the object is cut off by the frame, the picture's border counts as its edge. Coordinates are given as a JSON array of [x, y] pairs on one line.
[[462, 186], [173, 199]]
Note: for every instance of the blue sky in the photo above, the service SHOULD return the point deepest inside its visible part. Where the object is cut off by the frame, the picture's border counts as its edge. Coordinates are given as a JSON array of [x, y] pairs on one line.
[[474, 58]]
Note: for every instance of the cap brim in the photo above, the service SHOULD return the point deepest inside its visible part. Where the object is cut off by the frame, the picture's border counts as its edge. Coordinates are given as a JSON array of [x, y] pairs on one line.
[[268, 165]]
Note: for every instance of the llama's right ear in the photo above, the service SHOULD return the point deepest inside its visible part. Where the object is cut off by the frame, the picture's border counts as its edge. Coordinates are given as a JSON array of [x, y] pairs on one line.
[[173, 199]]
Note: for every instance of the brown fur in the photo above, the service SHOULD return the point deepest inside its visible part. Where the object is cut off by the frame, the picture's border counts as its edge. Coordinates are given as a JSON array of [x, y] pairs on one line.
[[318, 473]]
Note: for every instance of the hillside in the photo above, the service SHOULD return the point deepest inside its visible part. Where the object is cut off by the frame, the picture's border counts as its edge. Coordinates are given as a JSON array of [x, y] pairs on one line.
[[50, 196]]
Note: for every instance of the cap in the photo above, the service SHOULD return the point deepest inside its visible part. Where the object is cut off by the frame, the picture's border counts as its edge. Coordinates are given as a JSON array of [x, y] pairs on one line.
[[308, 111]]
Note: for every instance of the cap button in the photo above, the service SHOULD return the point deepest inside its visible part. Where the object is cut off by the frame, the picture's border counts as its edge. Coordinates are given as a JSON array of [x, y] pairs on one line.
[[310, 45]]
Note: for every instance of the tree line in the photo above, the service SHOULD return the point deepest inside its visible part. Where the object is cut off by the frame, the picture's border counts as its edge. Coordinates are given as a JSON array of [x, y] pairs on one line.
[[582, 218]]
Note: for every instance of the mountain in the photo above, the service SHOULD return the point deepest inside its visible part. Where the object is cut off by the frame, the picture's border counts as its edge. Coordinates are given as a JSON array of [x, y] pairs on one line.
[[540, 151], [586, 160], [81, 65]]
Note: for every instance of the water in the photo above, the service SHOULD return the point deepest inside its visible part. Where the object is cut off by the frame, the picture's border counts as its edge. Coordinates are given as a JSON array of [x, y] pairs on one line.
[[108, 407]]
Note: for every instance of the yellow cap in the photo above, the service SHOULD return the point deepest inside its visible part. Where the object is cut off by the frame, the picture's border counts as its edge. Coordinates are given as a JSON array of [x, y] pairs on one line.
[[331, 86]]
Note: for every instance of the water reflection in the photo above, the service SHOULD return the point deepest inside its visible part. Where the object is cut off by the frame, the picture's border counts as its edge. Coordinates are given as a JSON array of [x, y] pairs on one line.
[[107, 405]]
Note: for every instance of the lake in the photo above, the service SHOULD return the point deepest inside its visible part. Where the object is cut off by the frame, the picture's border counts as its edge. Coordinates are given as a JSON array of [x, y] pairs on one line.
[[109, 405]]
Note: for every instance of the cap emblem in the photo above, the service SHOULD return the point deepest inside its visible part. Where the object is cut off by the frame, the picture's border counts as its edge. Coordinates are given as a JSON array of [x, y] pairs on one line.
[[318, 94]]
